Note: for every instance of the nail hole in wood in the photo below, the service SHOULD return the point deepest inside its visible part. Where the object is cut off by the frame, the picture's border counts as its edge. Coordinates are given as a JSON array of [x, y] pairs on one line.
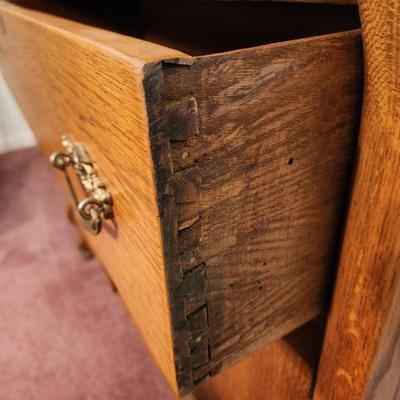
[[290, 162]]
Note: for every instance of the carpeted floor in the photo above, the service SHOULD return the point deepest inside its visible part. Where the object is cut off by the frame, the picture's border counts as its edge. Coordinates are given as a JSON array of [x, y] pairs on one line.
[[64, 335]]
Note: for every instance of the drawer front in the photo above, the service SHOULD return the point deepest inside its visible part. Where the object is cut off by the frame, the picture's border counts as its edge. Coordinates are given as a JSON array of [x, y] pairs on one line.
[[228, 173], [68, 83]]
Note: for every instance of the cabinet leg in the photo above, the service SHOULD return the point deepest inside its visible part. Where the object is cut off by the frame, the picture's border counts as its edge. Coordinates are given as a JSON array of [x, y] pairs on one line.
[[84, 249], [82, 244]]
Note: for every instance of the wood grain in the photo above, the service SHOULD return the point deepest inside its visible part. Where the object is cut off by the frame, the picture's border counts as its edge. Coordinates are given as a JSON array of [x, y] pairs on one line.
[[283, 370], [229, 174], [255, 377], [361, 357], [74, 79], [251, 195]]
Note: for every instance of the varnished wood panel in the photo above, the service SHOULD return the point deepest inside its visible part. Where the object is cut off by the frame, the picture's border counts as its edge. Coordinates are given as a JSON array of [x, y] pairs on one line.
[[73, 79], [361, 357], [260, 376]]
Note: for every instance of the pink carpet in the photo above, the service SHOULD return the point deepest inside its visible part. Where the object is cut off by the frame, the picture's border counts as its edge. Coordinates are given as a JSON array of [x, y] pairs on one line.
[[64, 334]]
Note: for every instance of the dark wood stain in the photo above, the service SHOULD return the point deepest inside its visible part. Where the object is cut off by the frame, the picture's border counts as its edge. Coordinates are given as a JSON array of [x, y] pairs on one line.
[[253, 152]]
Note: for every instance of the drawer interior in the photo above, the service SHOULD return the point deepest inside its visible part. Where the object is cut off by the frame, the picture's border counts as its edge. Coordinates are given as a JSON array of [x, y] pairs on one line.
[[198, 27]]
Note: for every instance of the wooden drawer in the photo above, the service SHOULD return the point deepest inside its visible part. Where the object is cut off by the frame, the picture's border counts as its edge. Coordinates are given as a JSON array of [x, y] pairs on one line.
[[228, 172]]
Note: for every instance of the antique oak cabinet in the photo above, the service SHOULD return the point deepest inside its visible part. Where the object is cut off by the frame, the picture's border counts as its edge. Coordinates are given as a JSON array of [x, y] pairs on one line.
[[209, 152]]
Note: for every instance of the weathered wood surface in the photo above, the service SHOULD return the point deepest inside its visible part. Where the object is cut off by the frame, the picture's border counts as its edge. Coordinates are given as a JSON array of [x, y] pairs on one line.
[[252, 194], [361, 356], [74, 79]]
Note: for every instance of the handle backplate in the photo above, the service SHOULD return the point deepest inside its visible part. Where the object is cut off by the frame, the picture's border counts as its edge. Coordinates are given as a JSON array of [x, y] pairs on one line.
[[99, 202]]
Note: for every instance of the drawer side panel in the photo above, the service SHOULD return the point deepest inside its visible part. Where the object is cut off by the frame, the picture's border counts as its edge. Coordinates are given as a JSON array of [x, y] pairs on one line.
[[253, 196]]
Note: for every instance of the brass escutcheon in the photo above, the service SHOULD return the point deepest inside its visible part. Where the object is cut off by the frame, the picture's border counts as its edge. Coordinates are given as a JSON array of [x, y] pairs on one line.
[[99, 202]]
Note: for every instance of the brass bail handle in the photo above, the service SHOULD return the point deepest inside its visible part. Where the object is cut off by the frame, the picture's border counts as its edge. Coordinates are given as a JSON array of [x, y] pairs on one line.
[[99, 202]]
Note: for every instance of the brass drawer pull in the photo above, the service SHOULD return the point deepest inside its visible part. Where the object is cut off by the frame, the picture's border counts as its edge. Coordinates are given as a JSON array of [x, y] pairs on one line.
[[99, 202]]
